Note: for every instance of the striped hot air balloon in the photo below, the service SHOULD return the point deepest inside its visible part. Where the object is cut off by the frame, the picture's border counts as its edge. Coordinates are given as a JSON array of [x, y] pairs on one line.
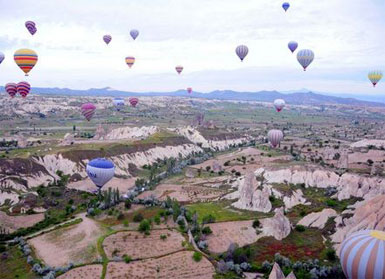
[[133, 101], [88, 110], [23, 88], [31, 26], [130, 61], [26, 59], [179, 69], [275, 137], [11, 89], [305, 57], [118, 103], [362, 255], [375, 77], [134, 33], [286, 6], [279, 104], [292, 46], [189, 90], [242, 51], [107, 39], [1, 57], [100, 171]]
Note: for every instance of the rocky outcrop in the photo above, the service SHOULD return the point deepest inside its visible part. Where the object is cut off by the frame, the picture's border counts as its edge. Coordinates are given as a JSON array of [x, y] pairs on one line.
[[318, 219], [276, 272], [131, 133], [368, 215], [295, 199], [367, 142], [251, 198], [278, 226]]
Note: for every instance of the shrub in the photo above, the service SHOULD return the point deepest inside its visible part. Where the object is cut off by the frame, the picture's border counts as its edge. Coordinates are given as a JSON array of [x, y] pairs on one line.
[[145, 226], [256, 224], [207, 230], [208, 219], [197, 256], [163, 236], [331, 203], [331, 254], [120, 216], [227, 163], [126, 258], [300, 228], [237, 173], [127, 204], [157, 220], [125, 223], [138, 217], [2, 248]]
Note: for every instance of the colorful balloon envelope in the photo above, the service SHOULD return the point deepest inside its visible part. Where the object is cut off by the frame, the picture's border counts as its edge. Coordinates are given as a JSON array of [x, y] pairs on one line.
[[189, 90], [88, 110], [305, 57], [31, 26], [100, 171], [23, 88], [292, 46], [179, 69], [286, 6], [1, 57], [133, 101], [11, 89], [362, 255], [118, 103], [26, 59], [107, 39], [130, 61], [275, 137], [375, 77], [279, 104], [134, 33], [242, 51]]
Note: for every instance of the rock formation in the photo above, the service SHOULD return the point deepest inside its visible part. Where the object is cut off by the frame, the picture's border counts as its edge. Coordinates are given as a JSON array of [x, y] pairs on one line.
[[278, 226], [295, 199], [318, 219], [131, 133], [276, 272]]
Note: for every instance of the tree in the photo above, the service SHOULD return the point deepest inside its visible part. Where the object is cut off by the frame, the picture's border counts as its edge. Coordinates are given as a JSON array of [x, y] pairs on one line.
[[197, 256], [138, 217], [145, 226], [244, 160], [74, 128], [208, 168]]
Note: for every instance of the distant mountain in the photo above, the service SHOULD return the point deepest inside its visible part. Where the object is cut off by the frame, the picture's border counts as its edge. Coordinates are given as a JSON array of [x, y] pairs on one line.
[[303, 97]]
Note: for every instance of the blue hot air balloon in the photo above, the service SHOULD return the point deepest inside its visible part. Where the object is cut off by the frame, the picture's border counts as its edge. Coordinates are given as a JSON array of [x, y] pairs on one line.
[[286, 6], [100, 171], [134, 33], [118, 103], [292, 46]]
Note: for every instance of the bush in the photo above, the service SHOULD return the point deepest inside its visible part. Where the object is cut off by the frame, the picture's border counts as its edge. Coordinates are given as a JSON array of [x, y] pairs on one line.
[[227, 163], [237, 173], [145, 226], [163, 236], [126, 258], [207, 230], [138, 217], [127, 204], [2, 248], [197, 256], [157, 220], [331, 254], [125, 223], [300, 228], [208, 219], [256, 224], [331, 203], [120, 216]]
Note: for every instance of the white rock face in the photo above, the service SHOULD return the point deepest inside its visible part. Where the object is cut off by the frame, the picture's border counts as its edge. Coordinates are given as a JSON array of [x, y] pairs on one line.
[[348, 185], [367, 142], [276, 272], [278, 226], [194, 136], [318, 219], [131, 133], [368, 215], [295, 199], [251, 198]]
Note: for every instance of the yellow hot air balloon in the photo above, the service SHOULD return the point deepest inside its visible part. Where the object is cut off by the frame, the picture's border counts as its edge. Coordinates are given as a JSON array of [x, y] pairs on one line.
[[26, 59], [130, 61], [375, 77]]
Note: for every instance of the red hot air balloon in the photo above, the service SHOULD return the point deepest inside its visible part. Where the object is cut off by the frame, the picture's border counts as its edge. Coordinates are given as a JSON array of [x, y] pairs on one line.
[[107, 39], [179, 69], [88, 110], [189, 90], [23, 88], [31, 26], [11, 89], [133, 101]]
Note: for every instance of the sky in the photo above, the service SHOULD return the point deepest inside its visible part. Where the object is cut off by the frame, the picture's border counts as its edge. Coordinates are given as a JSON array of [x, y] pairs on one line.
[[347, 37]]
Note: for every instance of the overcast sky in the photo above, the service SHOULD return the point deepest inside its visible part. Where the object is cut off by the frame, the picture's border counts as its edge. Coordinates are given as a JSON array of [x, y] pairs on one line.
[[347, 37]]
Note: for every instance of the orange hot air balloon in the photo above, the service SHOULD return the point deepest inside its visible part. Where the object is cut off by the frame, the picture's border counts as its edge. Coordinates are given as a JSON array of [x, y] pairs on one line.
[[130, 61], [26, 59]]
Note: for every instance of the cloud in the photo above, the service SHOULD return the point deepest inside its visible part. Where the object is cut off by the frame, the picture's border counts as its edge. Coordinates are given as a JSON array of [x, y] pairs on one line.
[[202, 36]]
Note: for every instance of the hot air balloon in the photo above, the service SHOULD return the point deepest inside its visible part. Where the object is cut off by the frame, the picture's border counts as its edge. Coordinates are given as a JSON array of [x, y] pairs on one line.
[[130, 61], [179, 69], [275, 137], [292, 46], [100, 171], [189, 90], [107, 39], [286, 6], [279, 104], [362, 255], [88, 110], [133, 101], [23, 88], [1, 57], [305, 57], [242, 51], [11, 89], [375, 77], [118, 103], [134, 33], [26, 59], [31, 26]]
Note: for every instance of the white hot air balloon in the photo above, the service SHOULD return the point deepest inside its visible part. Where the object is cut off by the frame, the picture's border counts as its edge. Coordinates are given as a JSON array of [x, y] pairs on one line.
[[305, 57], [275, 137], [100, 171], [279, 104]]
